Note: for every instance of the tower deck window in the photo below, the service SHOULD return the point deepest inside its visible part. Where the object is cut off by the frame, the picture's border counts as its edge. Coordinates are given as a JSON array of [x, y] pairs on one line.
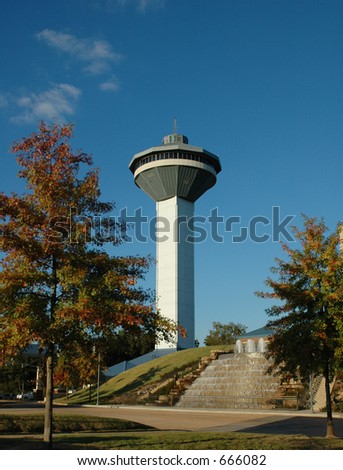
[[173, 156]]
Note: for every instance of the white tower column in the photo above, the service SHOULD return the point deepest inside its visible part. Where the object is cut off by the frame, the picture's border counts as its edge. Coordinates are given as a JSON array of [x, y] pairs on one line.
[[175, 268]]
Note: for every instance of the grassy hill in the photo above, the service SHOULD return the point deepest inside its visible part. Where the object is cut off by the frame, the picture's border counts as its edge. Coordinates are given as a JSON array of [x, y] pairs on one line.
[[146, 381]]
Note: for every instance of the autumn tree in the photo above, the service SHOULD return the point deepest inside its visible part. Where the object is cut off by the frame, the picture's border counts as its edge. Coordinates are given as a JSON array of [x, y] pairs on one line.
[[222, 333], [58, 286], [76, 368], [308, 317]]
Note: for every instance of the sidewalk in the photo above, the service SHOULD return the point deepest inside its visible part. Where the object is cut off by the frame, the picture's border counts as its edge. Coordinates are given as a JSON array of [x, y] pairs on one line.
[[209, 420]]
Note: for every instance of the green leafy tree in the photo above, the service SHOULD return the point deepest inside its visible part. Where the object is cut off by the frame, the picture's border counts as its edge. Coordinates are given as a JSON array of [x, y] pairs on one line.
[[224, 333], [18, 374], [128, 344], [57, 285], [308, 321]]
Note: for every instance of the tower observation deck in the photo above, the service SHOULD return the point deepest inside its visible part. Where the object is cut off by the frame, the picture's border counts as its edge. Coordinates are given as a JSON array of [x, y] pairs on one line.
[[175, 174]]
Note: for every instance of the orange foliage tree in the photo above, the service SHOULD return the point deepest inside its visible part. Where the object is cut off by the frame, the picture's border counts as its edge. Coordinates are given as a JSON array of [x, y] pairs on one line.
[[58, 286], [308, 320]]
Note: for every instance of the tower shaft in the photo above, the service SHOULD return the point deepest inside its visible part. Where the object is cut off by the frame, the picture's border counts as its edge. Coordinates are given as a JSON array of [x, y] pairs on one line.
[[175, 268]]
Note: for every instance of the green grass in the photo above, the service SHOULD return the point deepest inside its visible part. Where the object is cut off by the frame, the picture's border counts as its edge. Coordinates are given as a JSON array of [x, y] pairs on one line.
[[34, 424], [168, 440], [145, 374]]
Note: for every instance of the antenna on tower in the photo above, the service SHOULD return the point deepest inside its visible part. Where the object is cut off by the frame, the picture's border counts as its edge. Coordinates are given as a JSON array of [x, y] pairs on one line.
[[175, 125], [175, 138]]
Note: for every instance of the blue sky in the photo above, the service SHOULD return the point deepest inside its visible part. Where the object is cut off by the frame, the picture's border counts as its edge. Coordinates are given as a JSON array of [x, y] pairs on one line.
[[257, 82]]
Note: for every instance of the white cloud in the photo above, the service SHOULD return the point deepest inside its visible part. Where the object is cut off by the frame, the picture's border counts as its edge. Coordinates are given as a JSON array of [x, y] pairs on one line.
[[144, 5], [141, 5], [98, 55], [55, 104], [110, 85]]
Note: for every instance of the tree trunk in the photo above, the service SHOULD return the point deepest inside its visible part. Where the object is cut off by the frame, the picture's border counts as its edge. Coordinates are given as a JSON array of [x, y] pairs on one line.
[[48, 416], [49, 394], [329, 419]]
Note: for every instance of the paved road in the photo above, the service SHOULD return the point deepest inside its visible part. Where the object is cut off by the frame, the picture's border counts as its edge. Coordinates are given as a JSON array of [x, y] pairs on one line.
[[274, 422]]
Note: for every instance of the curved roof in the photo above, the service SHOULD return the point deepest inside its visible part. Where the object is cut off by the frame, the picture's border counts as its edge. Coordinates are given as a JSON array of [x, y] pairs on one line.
[[259, 333]]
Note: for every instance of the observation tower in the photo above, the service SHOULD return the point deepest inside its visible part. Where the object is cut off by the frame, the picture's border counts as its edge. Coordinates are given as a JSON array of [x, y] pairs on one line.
[[175, 174]]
